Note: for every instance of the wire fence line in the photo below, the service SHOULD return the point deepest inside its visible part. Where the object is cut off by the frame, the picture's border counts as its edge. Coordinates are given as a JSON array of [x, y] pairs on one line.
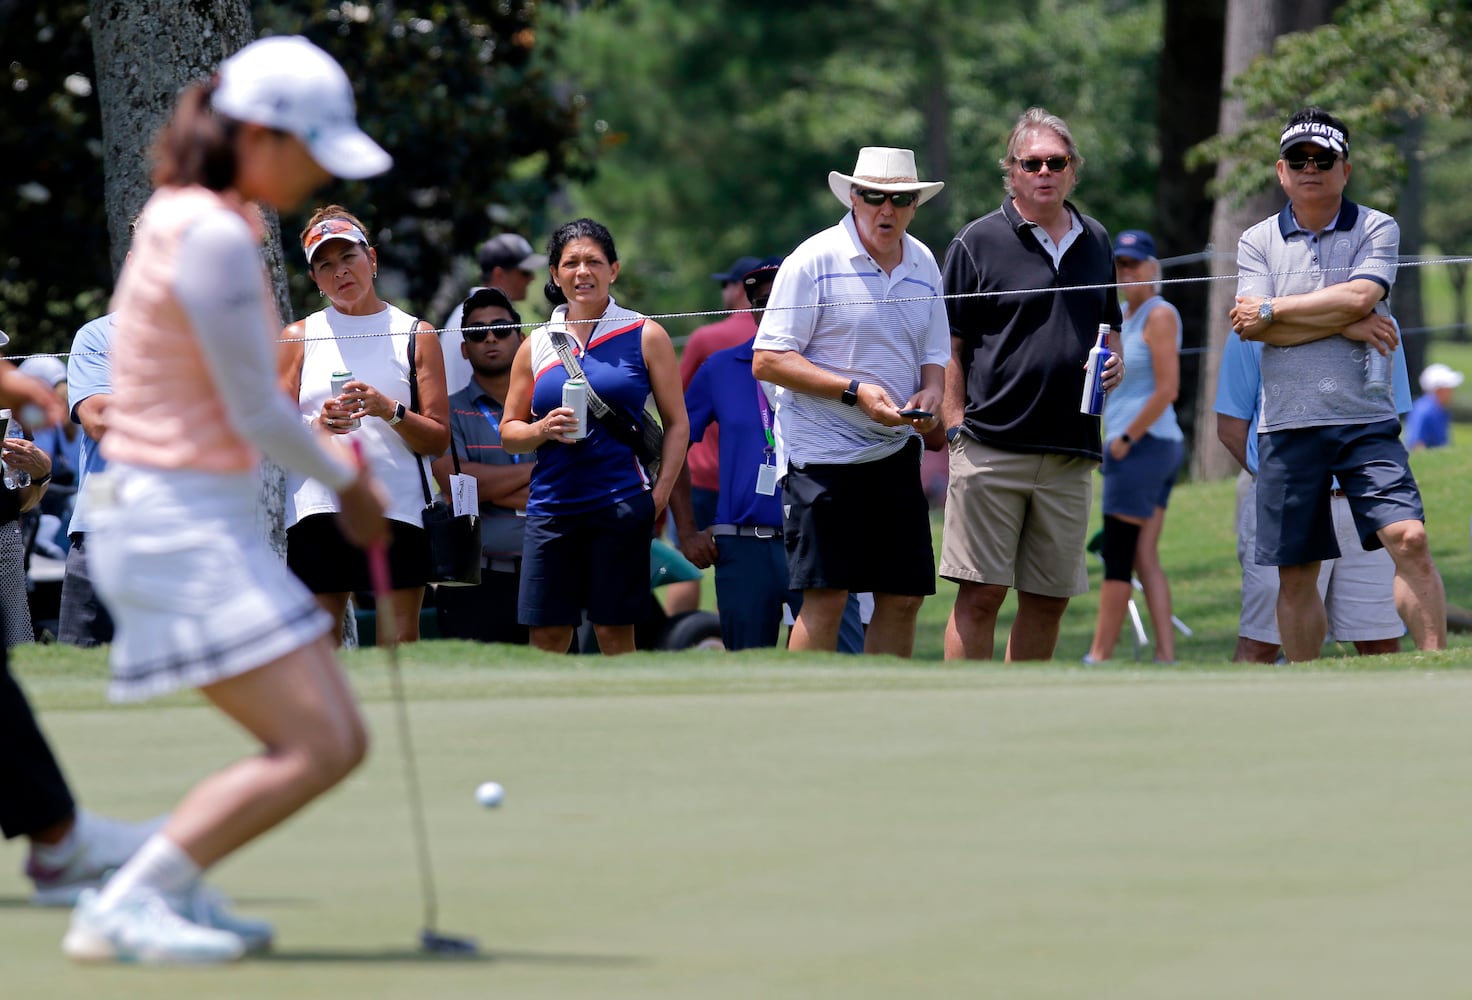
[[1416, 260]]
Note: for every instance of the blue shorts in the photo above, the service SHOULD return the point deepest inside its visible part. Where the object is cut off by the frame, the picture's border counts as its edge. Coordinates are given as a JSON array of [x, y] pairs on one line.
[[1296, 468], [597, 560], [1141, 481]]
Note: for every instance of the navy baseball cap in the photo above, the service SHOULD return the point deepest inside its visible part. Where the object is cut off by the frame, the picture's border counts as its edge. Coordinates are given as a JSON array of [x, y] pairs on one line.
[[1134, 244], [738, 270]]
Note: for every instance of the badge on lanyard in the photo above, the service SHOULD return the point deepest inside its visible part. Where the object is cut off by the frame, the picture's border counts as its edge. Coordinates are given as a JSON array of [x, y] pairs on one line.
[[766, 473]]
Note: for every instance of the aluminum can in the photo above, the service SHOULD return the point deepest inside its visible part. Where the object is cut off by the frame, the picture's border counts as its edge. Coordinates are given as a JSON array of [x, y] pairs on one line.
[[339, 382], [575, 398]]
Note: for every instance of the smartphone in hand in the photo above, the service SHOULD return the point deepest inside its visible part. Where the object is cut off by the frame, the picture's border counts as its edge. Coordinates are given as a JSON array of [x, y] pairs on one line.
[[916, 414]]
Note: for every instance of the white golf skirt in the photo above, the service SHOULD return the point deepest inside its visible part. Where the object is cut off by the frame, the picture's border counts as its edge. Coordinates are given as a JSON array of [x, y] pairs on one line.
[[181, 560]]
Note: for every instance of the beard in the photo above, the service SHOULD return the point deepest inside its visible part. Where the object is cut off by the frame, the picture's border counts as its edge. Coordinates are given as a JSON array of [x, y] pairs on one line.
[[485, 370]]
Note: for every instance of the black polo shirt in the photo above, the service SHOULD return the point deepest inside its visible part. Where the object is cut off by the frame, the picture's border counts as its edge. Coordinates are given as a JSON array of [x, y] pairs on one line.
[[1023, 355]]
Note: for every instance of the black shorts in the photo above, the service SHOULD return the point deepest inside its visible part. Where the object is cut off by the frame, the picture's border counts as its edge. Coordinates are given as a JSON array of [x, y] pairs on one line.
[[862, 528], [327, 563], [598, 560]]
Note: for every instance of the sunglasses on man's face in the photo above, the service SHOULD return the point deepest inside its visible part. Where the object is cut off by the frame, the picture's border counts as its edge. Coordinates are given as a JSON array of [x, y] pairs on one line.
[[1300, 161], [502, 328], [900, 199], [1033, 164]]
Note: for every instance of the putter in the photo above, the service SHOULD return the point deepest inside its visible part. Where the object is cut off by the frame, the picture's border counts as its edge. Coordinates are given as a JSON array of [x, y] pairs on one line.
[[431, 940]]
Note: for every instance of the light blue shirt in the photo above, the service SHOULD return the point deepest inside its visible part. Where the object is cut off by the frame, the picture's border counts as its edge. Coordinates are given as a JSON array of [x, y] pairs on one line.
[[88, 373], [1239, 386]]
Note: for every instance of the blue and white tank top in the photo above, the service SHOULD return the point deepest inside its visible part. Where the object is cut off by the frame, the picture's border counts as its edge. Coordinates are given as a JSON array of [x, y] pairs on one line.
[[600, 469], [1128, 398]]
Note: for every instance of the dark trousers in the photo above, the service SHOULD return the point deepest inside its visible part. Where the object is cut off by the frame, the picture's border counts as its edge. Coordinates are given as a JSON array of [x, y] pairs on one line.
[[484, 613], [84, 618], [33, 791]]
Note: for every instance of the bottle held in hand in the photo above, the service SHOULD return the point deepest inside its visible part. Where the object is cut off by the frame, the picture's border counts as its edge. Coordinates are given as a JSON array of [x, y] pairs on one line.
[[1377, 373], [575, 398], [1092, 401], [14, 479], [340, 381]]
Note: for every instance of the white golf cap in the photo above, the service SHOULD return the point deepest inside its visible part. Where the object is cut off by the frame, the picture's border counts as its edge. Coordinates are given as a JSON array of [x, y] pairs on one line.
[[1439, 376], [286, 82]]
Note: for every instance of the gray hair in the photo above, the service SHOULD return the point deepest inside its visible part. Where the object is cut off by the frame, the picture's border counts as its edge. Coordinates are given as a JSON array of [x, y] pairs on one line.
[[1030, 120]]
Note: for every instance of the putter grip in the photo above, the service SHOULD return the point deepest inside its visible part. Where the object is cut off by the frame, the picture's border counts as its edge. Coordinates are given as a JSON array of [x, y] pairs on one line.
[[378, 551]]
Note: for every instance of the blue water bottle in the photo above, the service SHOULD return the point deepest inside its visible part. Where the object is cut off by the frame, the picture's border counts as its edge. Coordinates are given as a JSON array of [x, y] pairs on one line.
[[1093, 397]]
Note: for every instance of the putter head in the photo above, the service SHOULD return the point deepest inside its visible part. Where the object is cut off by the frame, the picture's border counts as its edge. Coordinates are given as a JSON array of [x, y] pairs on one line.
[[435, 943]]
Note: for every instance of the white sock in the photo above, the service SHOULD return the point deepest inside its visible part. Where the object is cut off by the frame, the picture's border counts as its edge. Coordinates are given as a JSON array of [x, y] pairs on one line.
[[160, 865], [58, 854]]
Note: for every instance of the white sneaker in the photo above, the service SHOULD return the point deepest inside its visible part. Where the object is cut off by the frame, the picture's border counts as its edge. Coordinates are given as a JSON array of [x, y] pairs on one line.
[[142, 928], [209, 907], [102, 845]]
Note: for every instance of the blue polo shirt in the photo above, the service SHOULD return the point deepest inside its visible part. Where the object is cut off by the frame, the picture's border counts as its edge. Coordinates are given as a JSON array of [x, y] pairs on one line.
[[88, 373], [724, 392], [1239, 386]]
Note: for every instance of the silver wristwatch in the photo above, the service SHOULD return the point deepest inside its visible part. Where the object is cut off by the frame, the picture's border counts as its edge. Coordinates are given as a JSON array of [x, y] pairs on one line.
[[1265, 311], [399, 412]]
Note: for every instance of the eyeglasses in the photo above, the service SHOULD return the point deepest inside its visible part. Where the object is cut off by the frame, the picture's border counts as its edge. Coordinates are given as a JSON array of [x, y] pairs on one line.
[[1032, 164], [900, 199], [1324, 161], [502, 328]]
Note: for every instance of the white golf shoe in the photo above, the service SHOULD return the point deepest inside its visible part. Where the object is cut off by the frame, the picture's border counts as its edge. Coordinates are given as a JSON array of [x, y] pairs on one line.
[[142, 928], [209, 907]]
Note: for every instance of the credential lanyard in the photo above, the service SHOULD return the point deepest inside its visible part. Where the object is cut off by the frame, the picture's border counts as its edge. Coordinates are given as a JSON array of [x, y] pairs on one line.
[[765, 408], [495, 426]]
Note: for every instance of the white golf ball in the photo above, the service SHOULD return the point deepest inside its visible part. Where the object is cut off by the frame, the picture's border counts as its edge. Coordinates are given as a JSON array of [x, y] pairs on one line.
[[490, 794]]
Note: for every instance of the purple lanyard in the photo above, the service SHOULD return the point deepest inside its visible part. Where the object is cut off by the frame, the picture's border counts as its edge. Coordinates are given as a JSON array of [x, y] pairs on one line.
[[765, 409]]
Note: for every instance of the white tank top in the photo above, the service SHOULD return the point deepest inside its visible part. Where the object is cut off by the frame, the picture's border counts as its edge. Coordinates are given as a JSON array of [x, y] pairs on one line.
[[337, 342]]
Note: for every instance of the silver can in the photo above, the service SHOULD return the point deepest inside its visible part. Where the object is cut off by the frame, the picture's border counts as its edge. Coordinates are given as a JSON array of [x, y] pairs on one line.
[[339, 383], [575, 398]]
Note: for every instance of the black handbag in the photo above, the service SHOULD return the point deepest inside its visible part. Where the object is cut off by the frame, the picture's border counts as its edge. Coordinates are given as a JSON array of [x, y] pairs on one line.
[[454, 539], [644, 436]]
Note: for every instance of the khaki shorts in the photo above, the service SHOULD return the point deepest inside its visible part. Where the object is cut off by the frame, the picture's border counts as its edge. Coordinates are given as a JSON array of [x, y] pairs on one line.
[[1016, 519]]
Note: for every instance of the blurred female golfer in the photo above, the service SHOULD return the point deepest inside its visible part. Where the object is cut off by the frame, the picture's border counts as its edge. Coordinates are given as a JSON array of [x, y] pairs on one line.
[[198, 598]]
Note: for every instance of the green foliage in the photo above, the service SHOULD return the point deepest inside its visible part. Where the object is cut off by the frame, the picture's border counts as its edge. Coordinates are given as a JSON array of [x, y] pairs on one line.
[[54, 269], [460, 93], [1380, 62], [482, 135], [719, 122]]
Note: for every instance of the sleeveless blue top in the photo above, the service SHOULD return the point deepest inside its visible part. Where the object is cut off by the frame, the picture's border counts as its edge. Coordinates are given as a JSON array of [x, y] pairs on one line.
[[600, 469], [1127, 399]]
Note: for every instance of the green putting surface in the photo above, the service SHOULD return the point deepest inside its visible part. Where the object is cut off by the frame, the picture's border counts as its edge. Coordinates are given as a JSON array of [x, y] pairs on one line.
[[801, 831]]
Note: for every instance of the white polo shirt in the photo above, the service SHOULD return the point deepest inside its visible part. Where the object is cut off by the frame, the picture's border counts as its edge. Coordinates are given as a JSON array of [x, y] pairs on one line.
[[836, 307]]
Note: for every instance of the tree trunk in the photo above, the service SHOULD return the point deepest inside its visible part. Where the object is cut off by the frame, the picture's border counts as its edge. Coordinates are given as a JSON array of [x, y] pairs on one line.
[[1252, 25], [1190, 81], [1457, 275], [1406, 301], [145, 54]]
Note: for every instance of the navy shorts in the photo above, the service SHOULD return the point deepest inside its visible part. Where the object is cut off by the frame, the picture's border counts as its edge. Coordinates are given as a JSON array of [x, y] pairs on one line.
[[1141, 481], [1296, 469], [861, 527], [597, 560], [323, 559]]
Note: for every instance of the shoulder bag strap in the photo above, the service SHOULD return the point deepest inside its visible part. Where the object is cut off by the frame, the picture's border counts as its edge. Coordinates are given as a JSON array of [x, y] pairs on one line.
[[570, 363]]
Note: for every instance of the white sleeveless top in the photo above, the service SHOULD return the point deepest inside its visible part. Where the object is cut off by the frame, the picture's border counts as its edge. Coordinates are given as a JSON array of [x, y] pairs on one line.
[[337, 342]]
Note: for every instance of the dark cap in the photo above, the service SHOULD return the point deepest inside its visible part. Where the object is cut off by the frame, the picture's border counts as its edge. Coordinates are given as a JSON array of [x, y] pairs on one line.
[[1324, 134], [1134, 244], [765, 270], [737, 270], [509, 251]]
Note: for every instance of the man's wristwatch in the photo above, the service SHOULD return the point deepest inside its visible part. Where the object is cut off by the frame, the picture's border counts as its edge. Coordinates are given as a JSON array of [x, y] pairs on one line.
[[399, 412], [1125, 437], [951, 433], [1265, 311], [850, 395]]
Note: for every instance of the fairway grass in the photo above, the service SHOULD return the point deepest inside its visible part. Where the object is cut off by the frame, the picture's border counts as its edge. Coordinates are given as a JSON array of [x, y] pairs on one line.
[[701, 828]]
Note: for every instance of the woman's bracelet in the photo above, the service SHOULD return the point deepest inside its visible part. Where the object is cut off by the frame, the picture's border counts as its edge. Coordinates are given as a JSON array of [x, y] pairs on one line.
[[42, 481]]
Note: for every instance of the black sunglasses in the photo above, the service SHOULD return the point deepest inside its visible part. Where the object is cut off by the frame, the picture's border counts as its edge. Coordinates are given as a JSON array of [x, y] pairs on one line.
[[1032, 164], [1324, 161], [901, 199], [502, 328]]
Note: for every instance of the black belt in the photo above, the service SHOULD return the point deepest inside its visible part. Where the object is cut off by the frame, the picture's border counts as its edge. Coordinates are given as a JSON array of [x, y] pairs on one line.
[[747, 530], [502, 564]]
